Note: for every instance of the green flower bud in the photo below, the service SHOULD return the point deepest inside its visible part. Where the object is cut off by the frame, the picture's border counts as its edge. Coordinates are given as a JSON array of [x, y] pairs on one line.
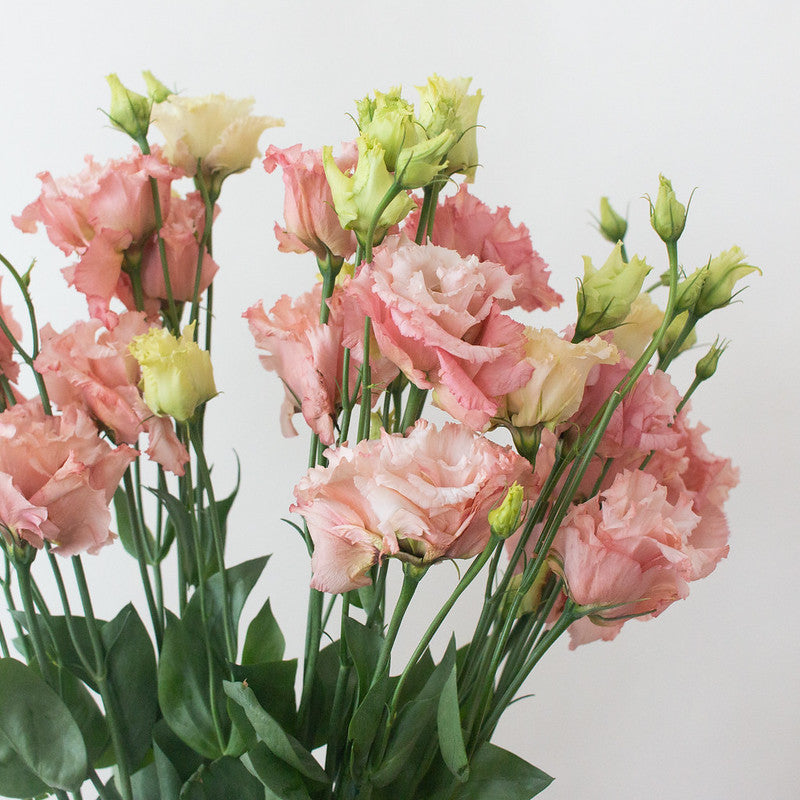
[[390, 121], [611, 225], [417, 166], [668, 216], [130, 112], [673, 332], [504, 519], [445, 105], [157, 91], [356, 197], [722, 273], [605, 295], [707, 365]]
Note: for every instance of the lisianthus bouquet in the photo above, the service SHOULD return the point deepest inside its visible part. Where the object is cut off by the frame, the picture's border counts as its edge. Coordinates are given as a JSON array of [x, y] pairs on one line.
[[568, 477]]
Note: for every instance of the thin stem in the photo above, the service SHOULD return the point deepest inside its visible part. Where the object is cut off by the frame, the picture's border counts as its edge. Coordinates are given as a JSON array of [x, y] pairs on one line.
[[202, 246], [105, 792], [11, 605], [338, 716], [366, 386], [216, 530], [24, 580], [411, 579], [414, 405], [313, 637]]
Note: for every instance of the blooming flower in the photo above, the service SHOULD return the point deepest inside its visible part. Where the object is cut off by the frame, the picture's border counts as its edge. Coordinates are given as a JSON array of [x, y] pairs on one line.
[[103, 214], [310, 220], [216, 130], [57, 478], [464, 224], [176, 373], [435, 315], [93, 368], [422, 498]]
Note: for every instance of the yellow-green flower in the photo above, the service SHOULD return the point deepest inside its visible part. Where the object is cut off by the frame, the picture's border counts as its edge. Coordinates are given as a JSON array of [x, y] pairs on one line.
[[389, 120], [605, 295], [667, 216], [177, 375], [504, 519], [129, 111]]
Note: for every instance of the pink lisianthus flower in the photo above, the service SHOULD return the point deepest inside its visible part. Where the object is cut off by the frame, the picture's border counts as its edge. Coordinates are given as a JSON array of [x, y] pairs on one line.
[[57, 478], [98, 373], [182, 231], [307, 355], [465, 224], [642, 422], [103, 215], [8, 366], [625, 552], [435, 315], [310, 220], [421, 498]]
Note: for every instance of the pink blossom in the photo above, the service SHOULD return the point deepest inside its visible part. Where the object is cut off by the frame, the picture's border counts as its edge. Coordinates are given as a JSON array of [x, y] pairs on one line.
[[626, 548], [8, 366], [422, 498], [57, 478], [101, 214], [642, 422], [181, 233], [310, 220], [307, 355], [465, 224], [435, 315], [98, 373]]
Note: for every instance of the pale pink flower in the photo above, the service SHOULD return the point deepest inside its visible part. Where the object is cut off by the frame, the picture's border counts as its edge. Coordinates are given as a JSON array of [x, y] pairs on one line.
[[642, 422], [307, 355], [57, 478], [310, 220], [98, 373], [181, 233], [100, 214], [421, 498], [465, 224], [8, 366], [626, 548], [435, 315]]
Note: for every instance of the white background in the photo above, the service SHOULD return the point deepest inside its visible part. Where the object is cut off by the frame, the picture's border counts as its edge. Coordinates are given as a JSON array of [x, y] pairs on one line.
[[581, 99]]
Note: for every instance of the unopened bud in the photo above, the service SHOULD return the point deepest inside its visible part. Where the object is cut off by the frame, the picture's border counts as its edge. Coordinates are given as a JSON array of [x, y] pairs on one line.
[[129, 111], [157, 91], [504, 519], [667, 216], [611, 225], [707, 365]]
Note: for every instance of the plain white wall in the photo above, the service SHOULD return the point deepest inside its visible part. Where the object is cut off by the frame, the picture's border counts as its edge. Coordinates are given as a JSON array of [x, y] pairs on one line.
[[582, 98]]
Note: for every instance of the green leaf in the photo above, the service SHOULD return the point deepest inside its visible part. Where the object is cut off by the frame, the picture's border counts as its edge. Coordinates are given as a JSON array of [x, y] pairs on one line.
[[364, 646], [417, 678], [367, 718], [223, 779], [85, 712], [125, 528], [280, 743], [448, 724], [184, 671], [16, 780], [416, 720], [498, 774], [323, 691], [280, 781], [264, 640], [145, 783], [173, 750], [273, 685], [131, 668], [36, 724], [180, 523]]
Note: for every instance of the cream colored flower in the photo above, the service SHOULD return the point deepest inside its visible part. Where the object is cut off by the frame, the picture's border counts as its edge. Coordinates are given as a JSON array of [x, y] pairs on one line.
[[636, 332], [176, 373], [216, 130], [560, 370]]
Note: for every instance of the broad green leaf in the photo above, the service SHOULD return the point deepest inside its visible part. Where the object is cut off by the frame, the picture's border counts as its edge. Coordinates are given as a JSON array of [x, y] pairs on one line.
[[85, 712], [273, 685], [16, 780], [223, 779], [323, 690], [131, 668], [415, 720], [280, 743], [280, 781], [169, 781], [145, 783], [181, 758], [36, 724], [364, 645], [264, 640], [417, 677], [367, 718], [448, 725], [498, 774]]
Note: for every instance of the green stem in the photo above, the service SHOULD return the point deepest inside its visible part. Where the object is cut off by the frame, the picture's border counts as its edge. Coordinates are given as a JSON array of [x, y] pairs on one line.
[[411, 579], [11, 605], [338, 717], [672, 353], [394, 190], [203, 246], [105, 792], [366, 386], [24, 580], [139, 546], [424, 213], [414, 405], [101, 676], [219, 544], [313, 637]]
